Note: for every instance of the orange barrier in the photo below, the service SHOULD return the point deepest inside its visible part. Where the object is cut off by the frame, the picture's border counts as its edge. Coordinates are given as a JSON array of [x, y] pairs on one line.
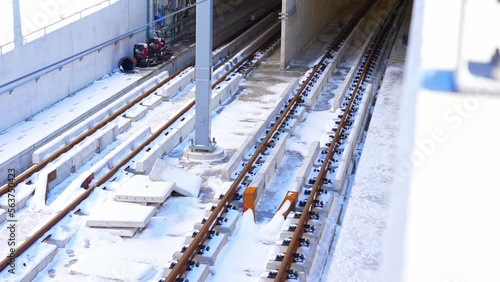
[[249, 197], [292, 197]]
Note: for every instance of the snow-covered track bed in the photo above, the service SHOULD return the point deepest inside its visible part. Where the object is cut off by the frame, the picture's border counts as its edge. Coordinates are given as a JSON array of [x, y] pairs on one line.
[[320, 197], [252, 167], [132, 148]]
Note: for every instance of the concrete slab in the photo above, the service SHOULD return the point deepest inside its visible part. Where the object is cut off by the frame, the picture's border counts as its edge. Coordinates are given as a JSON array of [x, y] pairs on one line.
[[117, 153], [35, 260], [151, 101], [136, 112], [299, 113], [307, 163], [165, 144], [290, 125], [22, 196], [81, 153], [268, 168], [58, 239], [123, 124], [319, 86], [117, 214], [42, 152], [345, 163], [174, 86], [141, 189]]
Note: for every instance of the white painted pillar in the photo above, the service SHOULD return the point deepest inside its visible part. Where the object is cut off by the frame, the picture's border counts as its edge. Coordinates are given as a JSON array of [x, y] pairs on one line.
[[204, 15]]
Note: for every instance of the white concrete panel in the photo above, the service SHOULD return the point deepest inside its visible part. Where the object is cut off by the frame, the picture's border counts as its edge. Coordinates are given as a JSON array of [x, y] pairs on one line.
[[136, 112], [117, 214], [45, 254], [151, 101], [140, 189], [176, 85]]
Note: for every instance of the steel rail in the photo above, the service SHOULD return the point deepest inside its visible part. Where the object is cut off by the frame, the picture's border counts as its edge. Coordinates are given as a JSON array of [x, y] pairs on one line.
[[37, 167], [282, 274], [183, 263], [29, 241]]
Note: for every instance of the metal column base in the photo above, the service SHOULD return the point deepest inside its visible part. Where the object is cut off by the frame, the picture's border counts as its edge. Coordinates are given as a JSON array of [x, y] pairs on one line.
[[215, 154]]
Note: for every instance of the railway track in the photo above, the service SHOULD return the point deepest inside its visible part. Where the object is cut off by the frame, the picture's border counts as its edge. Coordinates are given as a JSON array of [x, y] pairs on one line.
[[296, 245], [239, 66], [200, 239]]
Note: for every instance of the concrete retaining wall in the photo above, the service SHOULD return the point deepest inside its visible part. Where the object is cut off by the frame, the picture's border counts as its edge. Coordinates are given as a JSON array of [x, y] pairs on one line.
[[303, 21]]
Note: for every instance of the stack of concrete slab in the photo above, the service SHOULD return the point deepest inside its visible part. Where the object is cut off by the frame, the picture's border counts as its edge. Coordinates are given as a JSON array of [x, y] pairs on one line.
[[133, 206]]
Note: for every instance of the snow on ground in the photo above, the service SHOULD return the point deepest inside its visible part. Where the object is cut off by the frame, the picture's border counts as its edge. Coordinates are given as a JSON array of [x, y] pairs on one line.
[[245, 256]]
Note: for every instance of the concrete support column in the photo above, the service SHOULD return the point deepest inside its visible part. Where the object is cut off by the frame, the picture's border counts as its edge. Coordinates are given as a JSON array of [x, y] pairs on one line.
[[150, 29], [204, 22], [18, 33]]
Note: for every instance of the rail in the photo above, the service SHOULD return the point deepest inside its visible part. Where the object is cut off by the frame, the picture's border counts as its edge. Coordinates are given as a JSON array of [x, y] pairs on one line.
[[282, 273]]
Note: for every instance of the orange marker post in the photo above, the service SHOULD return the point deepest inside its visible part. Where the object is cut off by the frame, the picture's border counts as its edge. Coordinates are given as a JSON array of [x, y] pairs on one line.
[[249, 197], [292, 197]]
